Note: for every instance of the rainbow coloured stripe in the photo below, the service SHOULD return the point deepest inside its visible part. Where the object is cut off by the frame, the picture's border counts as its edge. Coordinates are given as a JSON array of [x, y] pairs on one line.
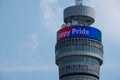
[[78, 31]]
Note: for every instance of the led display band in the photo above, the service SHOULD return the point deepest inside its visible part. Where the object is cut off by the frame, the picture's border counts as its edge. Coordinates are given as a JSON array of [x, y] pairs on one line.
[[78, 31]]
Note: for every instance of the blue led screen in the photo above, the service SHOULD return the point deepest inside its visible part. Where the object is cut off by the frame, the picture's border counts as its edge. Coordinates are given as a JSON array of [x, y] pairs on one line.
[[79, 31]]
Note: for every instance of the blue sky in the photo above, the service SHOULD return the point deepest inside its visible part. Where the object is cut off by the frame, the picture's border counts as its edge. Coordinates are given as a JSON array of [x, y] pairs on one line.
[[28, 35]]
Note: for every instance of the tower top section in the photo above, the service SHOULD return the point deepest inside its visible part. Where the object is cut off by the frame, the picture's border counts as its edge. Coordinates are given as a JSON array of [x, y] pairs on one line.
[[79, 14], [78, 2]]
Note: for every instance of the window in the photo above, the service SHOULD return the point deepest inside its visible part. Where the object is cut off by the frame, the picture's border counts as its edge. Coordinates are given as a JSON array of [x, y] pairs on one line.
[[68, 66]]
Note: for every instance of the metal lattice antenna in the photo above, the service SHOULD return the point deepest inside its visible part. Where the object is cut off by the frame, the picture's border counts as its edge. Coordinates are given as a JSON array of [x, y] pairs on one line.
[[78, 2]]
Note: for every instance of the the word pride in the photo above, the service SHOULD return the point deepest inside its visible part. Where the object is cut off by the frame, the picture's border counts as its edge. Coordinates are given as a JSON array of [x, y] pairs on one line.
[[73, 32]]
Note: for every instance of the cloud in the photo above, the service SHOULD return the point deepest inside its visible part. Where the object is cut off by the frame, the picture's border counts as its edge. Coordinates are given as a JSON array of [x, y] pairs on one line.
[[41, 68], [28, 57], [52, 14], [108, 18], [27, 48], [34, 41], [31, 44]]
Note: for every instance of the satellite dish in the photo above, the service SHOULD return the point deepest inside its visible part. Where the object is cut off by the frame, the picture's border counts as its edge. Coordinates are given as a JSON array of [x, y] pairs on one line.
[[74, 22], [78, 2]]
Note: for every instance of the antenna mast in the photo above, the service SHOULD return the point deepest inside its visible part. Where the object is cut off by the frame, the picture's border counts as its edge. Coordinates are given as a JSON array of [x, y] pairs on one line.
[[78, 2]]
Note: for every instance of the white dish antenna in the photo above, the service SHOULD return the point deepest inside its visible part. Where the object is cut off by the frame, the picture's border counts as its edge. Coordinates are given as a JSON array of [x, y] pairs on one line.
[[74, 23], [78, 2], [68, 24]]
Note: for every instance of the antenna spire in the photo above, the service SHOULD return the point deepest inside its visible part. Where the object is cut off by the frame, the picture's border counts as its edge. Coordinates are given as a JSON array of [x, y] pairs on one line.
[[78, 2]]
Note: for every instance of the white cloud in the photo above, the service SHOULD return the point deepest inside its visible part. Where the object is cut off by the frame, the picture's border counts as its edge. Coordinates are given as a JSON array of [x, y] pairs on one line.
[[28, 47], [41, 68], [31, 44], [34, 41], [108, 18], [51, 15]]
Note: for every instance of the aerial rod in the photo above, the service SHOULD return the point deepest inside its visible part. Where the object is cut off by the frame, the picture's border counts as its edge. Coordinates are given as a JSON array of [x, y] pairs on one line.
[[78, 2]]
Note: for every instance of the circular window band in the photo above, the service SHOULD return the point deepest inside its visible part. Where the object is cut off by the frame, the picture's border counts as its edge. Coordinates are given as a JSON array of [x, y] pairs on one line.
[[79, 50], [79, 77], [78, 42], [77, 60], [100, 59], [59, 59], [79, 68]]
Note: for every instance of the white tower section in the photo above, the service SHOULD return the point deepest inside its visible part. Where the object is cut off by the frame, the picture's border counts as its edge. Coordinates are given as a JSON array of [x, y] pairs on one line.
[[83, 15]]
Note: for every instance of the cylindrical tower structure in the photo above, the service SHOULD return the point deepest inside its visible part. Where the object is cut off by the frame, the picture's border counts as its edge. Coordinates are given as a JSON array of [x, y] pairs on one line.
[[79, 49]]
